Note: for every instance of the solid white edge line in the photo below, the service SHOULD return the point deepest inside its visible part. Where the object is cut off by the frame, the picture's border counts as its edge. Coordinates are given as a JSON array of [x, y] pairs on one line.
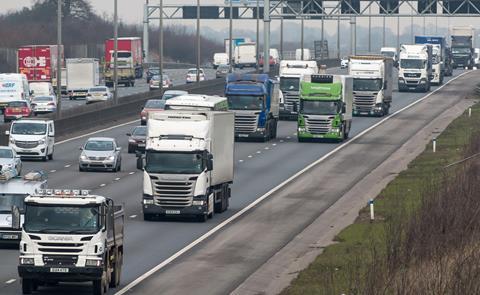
[[273, 190]]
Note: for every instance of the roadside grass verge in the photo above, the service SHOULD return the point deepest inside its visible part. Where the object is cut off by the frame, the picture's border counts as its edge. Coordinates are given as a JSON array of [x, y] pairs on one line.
[[426, 232]]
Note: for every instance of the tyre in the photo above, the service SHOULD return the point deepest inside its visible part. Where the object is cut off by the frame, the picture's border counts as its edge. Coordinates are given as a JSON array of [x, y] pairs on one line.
[[202, 217], [117, 270], [99, 286], [81, 169], [220, 207], [148, 217], [131, 149], [50, 157], [27, 286]]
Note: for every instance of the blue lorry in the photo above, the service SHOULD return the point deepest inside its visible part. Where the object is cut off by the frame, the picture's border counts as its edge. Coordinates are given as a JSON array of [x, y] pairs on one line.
[[254, 98]]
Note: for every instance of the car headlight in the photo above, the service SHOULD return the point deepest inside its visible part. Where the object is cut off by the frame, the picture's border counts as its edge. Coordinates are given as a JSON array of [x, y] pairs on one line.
[[12, 140], [111, 158], [41, 141], [83, 157], [26, 261], [132, 140], [93, 262]]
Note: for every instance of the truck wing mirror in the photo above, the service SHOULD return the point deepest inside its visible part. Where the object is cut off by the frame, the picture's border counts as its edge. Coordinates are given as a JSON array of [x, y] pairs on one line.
[[7, 132], [209, 164], [139, 161], [344, 108], [385, 85]]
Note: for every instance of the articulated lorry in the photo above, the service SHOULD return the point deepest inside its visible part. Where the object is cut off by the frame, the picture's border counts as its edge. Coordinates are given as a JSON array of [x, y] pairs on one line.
[[290, 73], [440, 66], [71, 236], [326, 103], [372, 84], [39, 62], [188, 164], [130, 54], [463, 46], [415, 68], [254, 98], [13, 190]]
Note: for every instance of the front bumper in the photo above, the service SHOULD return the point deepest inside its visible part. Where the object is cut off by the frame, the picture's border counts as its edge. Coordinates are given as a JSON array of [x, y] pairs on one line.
[[412, 84], [329, 135], [74, 274], [288, 115], [253, 135], [10, 236], [97, 165], [149, 207], [36, 152]]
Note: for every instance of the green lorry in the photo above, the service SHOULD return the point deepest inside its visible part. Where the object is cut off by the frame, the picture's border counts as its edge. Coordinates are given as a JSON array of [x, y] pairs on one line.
[[326, 103]]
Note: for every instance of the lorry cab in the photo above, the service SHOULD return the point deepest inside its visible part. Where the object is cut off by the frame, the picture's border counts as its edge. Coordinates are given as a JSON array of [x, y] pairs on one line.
[[255, 101], [13, 87], [32, 138], [197, 102], [390, 52], [326, 104], [415, 69], [13, 190], [477, 57], [289, 74]]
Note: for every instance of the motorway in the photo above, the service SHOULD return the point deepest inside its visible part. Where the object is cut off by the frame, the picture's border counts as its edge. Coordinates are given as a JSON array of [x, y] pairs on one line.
[[259, 168]]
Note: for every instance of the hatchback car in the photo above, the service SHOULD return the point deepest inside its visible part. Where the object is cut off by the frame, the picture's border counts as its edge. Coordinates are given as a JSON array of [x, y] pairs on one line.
[[98, 93], [155, 82], [44, 104], [192, 75], [136, 141], [152, 105], [222, 71], [173, 93], [100, 153], [10, 160], [16, 110], [152, 72]]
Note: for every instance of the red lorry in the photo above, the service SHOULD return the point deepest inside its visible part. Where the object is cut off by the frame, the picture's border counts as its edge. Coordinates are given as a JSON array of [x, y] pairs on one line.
[[130, 54], [39, 62]]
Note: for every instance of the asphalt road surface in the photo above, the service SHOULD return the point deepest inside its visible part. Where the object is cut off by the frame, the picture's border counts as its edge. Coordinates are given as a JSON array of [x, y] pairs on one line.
[[259, 168]]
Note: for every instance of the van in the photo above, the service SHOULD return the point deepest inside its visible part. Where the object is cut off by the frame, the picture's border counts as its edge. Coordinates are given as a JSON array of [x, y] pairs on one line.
[[220, 59], [32, 138], [41, 89], [13, 87], [197, 102], [476, 57], [245, 55], [307, 54], [275, 55]]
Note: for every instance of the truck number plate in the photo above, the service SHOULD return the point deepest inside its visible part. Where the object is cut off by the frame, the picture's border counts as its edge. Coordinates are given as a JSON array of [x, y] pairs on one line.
[[59, 269], [10, 237], [243, 135], [172, 211]]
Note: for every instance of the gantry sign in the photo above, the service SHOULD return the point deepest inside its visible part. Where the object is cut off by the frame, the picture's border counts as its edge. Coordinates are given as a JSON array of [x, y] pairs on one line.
[[318, 9]]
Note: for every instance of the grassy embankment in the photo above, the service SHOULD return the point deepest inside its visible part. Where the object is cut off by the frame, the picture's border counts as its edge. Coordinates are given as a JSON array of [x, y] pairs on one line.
[[426, 234]]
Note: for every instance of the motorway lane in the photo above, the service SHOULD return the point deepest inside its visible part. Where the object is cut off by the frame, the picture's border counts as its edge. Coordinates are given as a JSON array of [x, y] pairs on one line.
[[284, 156]]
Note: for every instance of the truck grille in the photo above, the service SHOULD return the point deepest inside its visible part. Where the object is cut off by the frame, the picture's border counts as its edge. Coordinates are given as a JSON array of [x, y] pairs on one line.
[[60, 260], [26, 144], [291, 102], [412, 75], [60, 247], [363, 102], [173, 193], [245, 123], [318, 126]]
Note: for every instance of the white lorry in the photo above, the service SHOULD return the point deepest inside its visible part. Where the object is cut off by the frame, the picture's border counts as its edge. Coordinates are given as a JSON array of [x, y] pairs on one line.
[[220, 59], [188, 164], [82, 74], [13, 190], [197, 102], [13, 87], [390, 52], [415, 68], [289, 74], [245, 55], [372, 84], [71, 236], [307, 54]]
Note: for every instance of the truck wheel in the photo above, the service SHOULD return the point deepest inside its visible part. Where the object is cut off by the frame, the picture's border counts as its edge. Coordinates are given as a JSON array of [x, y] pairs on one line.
[[202, 217], [27, 286], [100, 286], [117, 270], [50, 157], [148, 217]]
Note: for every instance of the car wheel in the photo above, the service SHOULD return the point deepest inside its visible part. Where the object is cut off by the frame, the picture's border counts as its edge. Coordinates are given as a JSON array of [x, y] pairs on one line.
[[131, 149]]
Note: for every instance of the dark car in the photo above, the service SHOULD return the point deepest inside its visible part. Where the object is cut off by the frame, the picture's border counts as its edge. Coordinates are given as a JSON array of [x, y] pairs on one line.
[[222, 71], [136, 142], [152, 105], [152, 72]]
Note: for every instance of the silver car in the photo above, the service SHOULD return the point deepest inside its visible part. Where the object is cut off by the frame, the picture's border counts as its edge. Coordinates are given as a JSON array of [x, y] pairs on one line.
[[44, 104], [98, 93], [100, 153], [10, 160]]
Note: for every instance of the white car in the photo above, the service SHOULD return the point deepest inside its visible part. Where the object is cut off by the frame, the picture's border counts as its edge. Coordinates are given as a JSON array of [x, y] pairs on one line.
[[44, 104], [98, 93], [32, 138], [344, 63], [9, 159], [192, 75]]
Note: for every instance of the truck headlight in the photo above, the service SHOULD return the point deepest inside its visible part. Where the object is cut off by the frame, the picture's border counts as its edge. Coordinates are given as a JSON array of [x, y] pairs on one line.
[[148, 201], [93, 262], [423, 81], [301, 129], [335, 130], [198, 203], [260, 129], [26, 261]]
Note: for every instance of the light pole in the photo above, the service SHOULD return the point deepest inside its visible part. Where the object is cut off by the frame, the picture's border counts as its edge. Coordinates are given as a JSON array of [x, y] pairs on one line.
[[198, 41], [59, 58], [266, 34], [338, 37], [230, 38], [257, 48], [145, 32], [302, 36], [115, 51], [160, 46], [384, 31], [281, 37]]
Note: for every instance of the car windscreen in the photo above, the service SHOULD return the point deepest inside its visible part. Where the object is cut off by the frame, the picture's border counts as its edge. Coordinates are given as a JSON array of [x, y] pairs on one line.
[[99, 145], [140, 131], [98, 89], [6, 154], [7, 201], [155, 104], [29, 128], [17, 104]]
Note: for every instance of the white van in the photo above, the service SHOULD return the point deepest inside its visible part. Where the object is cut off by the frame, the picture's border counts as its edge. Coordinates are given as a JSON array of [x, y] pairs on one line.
[[32, 138], [41, 89], [307, 54], [220, 59], [13, 87], [197, 102], [246, 55]]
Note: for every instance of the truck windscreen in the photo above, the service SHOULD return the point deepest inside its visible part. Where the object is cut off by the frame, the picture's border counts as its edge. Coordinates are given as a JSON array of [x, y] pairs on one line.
[[412, 63], [62, 219], [390, 54], [245, 102], [367, 84], [7, 201], [461, 50], [289, 84], [320, 107], [174, 163]]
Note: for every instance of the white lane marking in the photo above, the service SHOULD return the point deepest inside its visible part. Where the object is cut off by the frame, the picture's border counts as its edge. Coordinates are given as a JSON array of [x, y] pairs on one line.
[[288, 137], [240, 161], [117, 179], [271, 192], [259, 152], [53, 171], [68, 165], [274, 144], [10, 281], [295, 134], [131, 173], [133, 216], [250, 156], [281, 140], [267, 148], [102, 185]]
